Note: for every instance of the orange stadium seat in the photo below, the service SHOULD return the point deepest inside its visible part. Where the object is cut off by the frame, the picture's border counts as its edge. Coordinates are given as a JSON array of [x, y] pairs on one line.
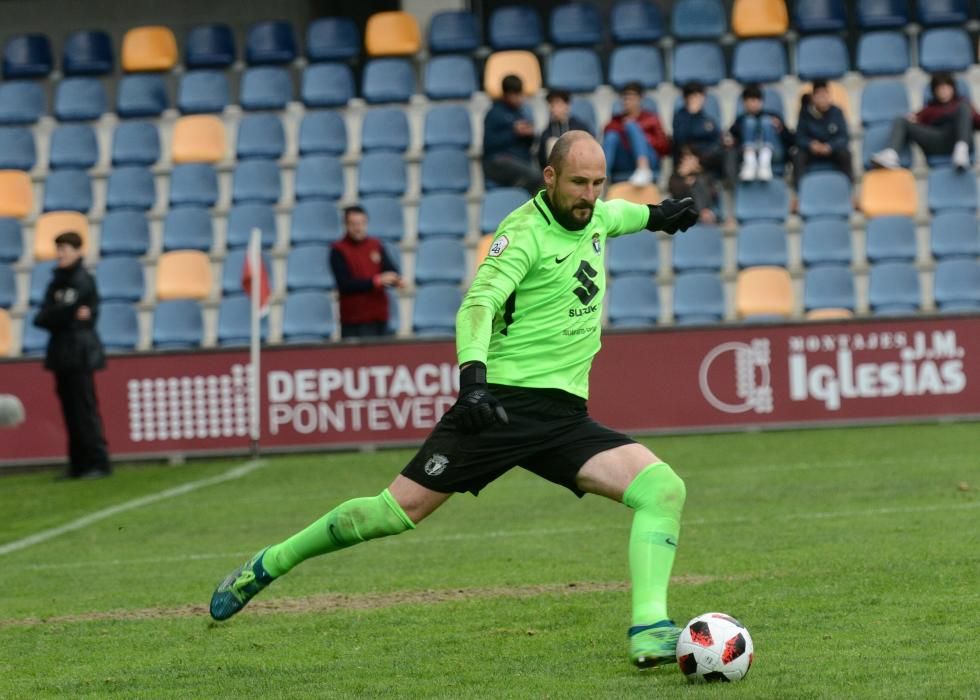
[[502, 63], [52, 224], [183, 274], [6, 341], [149, 48], [763, 291], [16, 194], [838, 95], [752, 18], [889, 193], [647, 194], [829, 314], [199, 138], [392, 34]]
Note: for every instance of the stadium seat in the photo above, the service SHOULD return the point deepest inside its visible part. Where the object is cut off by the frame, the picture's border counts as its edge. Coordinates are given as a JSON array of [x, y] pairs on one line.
[[934, 13], [256, 181], [80, 99], [88, 53], [385, 129], [8, 286], [232, 268], [198, 138], [17, 150], [21, 102], [203, 92], [949, 189], [178, 324], [636, 22], [698, 61], [209, 46], [699, 298], [957, 285], [73, 146], [27, 56], [514, 27], [893, 289], [826, 242], [829, 314], [34, 340], [243, 218], [40, 277], [945, 49], [700, 248], [633, 254], [953, 234], [876, 138], [141, 96], [193, 183], [443, 214], [322, 133], [821, 57], [440, 260], [188, 228], [52, 224], [327, 85], [763, 293], [635, 64], [520, 63], [445, 170], [319, 177], [316, 221], [120, 279], [698, 19], [434, 312], [889, 192], [575, 24], [385, 217], [68, 190], [454, 31], [235, 322], [307, 317], [124, 232], [332, 39], [183, 274], [450, 78], [118, 327], [574, 70], [581, 108], [890, 238], [392, 33], [883, 53], [149, 48], [772, 101], [634, 302], [6, 334], [759, 61], [761, 244], [825, 193], [497, 204], [816, 16], [388, 80], [828, 287], [756, 201], [131, 187], [754, 18], [308, 267], [883, 101], [270, 43], [447, 126], [381, 173], [266, 87], [16, 194], [11, 240], [882, 14], [260, 136], [638, 194]]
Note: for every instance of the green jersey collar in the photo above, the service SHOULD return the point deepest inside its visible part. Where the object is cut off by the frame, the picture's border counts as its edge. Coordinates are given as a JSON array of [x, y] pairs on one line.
[[543, 205]]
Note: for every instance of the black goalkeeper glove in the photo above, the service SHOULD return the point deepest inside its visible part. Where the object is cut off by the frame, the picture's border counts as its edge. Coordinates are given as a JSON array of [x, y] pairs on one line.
[[476, 408], [673, 215]]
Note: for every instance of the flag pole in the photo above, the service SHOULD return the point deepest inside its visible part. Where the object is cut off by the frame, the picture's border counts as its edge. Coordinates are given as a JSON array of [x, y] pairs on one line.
[[255, 263]]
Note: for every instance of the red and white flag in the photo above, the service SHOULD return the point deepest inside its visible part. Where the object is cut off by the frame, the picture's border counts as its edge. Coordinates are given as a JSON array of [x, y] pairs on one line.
[[265, 290]]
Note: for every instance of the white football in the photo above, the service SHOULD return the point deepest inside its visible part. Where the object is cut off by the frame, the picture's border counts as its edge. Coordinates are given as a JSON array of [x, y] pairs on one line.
[[714, 647], [11, 411]]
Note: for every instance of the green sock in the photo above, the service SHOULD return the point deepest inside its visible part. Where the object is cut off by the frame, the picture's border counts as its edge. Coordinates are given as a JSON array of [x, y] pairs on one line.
[[352, 522], [657, 495]]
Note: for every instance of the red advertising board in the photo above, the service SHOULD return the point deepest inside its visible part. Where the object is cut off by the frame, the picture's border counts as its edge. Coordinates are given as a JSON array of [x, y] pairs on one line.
[[393, 393]]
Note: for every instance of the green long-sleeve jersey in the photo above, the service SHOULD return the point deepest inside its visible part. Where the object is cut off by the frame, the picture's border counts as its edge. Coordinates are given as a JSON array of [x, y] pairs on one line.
[[533, 313]]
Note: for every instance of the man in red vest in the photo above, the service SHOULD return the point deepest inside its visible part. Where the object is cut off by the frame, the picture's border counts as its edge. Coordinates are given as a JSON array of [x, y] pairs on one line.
[[362, 269]]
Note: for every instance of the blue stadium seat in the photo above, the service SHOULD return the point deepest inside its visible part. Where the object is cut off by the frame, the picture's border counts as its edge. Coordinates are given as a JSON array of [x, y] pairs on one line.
[[141, 95], [756, 201], [698, 19], [825, 193], [260, 136], [883, 53], [761, 244], [8, 286], [698, 61], [385, 217], [68, 190], [209, 46], [332, 39], [949, 189], [73, 146], [445, 170], [319, 177], [188, 228], [266, 87], [821, 57], [178, 324], [882, 14], [256, 181], [193, 183], [957, 285], [636, 22], [759, 61], [88, 53], [124, 232], [450, 78], [316, 221], [270, 43], [307, 317], [497, 204], [381, 173], [828, 287], [120, 279], [11, 239], [434, 312], [945, 49], [575, 24], [876, 138], [635, 254], [454, 31], [203, 92], [385, 129], [17, 150], [883, 101], [394, 311], [327, 85], [448, 126], [440, 260], [893, 289], [21, 102], [118, 327], [40, 277], [34, 340], [582, 108], [135, 143], [388, 80], [826, 242], [514, 27], [322, 133], [953, 234], [635, 64], [308, 267], [231, 271], [27, 56], [815, 16], [131, 187], [634, 302], [699, 298], [244, 217], [698, 249], [235, 322], [890, 238], [80, 99], [443, 214], [934, 13]]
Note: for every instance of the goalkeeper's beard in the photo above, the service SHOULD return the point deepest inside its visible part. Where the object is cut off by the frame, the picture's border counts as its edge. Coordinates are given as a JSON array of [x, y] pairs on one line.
[[566, 217]]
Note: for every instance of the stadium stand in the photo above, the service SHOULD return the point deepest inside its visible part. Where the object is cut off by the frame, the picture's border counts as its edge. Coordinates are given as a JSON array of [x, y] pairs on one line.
[[6, 334], [445, 126], [149, 48], [27, 56], [317, 221], [450, 78], [198, 138], [641, 64], [8, 286], [957, 285], [699, 298], [763, 294], [40, 276], [882, 14], [51, 225], [187, 228], [118, 326], [890, 238], [635, 254], [131, 187], [514, 27], [33, 340], [698, 61], [80, 99], [636, 21], [183, 274], [209, 46], [823, 57], [260, 136], [68, 190], [826, 242], [235, 322], [385, 129], [823, 194], [21, 102], [393, 33], [11, 240], [754, 18], [828, 287], [440, 260], [124, 232], [883, 53], [443, 214], [142, 96], [88, 53], [445, 170], [574, 70], [700, 248], [266, 87], [385, 217], [454, 31], [120, 279], [203, 92], [270, 43], [231, 271], [322, 132], [16, 194], [762, 244], [945, 49], [319, 177], [953, 234], [819, 16], [497, 204], [308, 267], [256, 181], [178, 324], [307, 317], [634, 302], [893, 289], [72, 146], [193, 183], [327, 85], [247, 216], [575, 24], [949, 189], [759, 61], [698, 19], [434, 312], [382, 174], [388, 80], [17, 151], [332, 39], [889, 192], [639, 194], [762, 201]]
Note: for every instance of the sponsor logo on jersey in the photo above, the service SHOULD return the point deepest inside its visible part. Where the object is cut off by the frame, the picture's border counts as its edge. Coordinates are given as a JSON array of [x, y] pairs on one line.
[[585, 310], [595, 243], [498, 247], [436, 465]]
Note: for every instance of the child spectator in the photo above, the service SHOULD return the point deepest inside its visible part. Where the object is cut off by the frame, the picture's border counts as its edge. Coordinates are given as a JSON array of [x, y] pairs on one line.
[[821, 133], [635, 139], [760, 135]]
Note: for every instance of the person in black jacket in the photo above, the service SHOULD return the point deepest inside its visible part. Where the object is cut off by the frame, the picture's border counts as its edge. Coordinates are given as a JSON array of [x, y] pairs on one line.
[[560, 120], [69, 311], [821, 133], [508, 136]]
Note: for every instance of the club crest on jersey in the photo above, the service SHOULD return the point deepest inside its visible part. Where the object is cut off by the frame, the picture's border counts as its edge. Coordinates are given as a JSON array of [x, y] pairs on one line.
[[595, 243], [436, 465], [498, 247]]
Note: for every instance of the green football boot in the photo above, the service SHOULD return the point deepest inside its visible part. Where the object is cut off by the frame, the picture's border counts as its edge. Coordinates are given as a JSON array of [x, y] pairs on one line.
[[239, 587], [654, 645]]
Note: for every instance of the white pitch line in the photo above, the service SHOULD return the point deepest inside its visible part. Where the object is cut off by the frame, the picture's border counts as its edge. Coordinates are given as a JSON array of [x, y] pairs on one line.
[[86, 520]]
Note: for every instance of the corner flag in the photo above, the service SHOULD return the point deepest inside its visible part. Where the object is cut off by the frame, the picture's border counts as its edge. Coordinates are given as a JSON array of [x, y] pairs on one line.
[[249, 274]]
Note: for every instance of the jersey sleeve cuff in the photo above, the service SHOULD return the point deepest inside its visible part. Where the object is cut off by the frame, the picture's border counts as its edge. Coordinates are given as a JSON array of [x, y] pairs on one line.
[[464, 355]]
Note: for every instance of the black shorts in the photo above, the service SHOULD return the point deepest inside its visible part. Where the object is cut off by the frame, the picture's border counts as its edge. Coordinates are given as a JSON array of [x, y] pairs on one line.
[[550, 434]]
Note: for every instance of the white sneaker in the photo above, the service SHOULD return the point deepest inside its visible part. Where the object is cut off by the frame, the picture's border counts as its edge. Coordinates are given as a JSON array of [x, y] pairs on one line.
[[961, 156], [765, 165], [641, 177], [750, 167], [887, 158]]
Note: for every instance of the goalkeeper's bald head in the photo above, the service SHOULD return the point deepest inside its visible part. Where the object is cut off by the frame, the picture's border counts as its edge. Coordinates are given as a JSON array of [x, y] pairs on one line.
[[574, 144]]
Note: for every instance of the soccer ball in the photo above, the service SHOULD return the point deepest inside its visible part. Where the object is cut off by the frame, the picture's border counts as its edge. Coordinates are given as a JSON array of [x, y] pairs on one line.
[[714, 647]]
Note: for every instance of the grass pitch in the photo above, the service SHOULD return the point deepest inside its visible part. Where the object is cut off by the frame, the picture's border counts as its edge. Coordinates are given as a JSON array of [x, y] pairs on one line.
[[852, 556]]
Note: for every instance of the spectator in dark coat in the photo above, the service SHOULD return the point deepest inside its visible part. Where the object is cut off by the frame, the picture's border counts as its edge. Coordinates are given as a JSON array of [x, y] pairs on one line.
[[691, 179], [634, 139], [560, 120], [821, 133], [760, 136], [695, 128], [508, 136]]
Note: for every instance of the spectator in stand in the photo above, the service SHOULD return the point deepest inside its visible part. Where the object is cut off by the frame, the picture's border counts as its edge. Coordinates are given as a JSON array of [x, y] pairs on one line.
[[560, 120], [362, 269], [760, 136], [945, 124], [634, 139], [508, 136], [821, 133], [690, 179], [697, 129]]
